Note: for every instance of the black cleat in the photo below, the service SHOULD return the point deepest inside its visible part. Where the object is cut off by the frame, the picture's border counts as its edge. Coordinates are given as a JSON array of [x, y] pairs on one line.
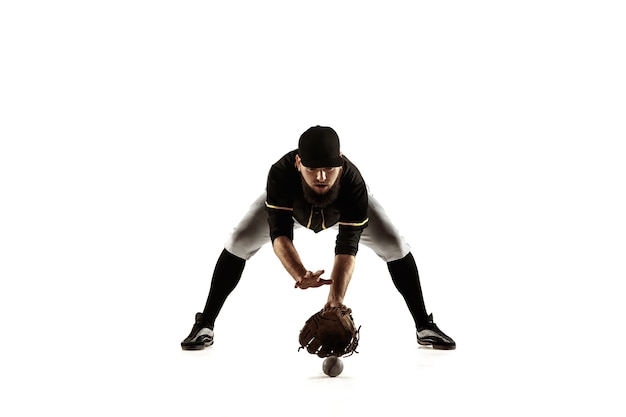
[[201, 336], [430, 335]]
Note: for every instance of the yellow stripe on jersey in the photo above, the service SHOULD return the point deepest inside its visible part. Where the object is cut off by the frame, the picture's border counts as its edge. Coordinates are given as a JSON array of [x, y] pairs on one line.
[[354, 224], [277, 207]]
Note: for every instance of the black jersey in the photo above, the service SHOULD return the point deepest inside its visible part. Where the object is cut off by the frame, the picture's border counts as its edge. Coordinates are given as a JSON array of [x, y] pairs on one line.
[[285, 202]]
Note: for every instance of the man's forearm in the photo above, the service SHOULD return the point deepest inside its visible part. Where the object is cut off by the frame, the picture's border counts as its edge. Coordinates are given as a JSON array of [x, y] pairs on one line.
[[289, 257], [341, 276]]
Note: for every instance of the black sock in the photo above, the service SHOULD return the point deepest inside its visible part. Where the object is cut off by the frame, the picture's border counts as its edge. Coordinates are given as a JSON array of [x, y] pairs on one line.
[[406, 279], [226, 275]]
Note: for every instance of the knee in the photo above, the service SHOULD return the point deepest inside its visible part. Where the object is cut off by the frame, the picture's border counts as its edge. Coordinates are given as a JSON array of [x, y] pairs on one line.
[[244, 244], [388, 247]]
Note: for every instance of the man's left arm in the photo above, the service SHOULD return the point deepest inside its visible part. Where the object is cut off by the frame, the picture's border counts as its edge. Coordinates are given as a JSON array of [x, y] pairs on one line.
[[353, 220], [346, 248], [341, 275]]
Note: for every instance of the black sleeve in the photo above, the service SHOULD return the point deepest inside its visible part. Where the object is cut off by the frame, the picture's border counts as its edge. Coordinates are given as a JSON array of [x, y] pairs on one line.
[[348, 238], [279, 204], [280, 222], [353, 220]]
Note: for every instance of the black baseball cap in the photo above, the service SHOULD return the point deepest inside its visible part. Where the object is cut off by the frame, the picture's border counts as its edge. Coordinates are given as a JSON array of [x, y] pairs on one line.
[[318, 147]]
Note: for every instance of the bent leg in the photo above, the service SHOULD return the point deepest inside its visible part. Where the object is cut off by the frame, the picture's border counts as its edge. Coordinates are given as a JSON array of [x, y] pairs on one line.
[[384, 239], [251, 233], [247, 238]]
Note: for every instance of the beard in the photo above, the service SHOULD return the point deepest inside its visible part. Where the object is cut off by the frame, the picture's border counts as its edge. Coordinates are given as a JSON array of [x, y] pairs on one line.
[[320, 200]]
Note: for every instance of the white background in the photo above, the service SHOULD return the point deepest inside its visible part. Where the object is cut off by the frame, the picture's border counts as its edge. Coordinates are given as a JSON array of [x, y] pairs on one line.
[[134, 135]]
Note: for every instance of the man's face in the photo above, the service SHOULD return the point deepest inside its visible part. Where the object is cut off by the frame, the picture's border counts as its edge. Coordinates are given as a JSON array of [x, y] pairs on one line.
[[321, 181]]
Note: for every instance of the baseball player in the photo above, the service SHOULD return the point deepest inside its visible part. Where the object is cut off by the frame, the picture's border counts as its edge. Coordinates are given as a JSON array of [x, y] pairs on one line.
[[317, 187]]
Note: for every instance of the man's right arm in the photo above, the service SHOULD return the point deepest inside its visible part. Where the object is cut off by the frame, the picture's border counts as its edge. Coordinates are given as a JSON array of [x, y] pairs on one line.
[[289, 257], [281, 179]]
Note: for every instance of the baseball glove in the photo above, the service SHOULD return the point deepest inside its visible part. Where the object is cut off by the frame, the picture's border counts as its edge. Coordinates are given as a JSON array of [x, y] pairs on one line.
[[330, 332]]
